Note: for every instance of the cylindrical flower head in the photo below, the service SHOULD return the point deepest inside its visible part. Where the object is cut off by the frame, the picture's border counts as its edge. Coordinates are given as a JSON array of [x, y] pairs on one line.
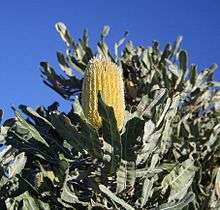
[[104, 76]]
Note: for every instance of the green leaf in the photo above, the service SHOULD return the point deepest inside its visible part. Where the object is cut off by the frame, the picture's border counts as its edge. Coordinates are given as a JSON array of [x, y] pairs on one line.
[[32, 130], [150, 138], [34, 115], [145, 109], [183, 61], [83, 139], [193, 74], [78, 108], [85, 40], [103, 49], [179, 180], [63, 64], [166, 53], [165, 110], [65, 35], [116, 199], [131, 138], [68, 195], [110, 132], [105, 31], [3, 151], [1, 115], [79, 53], [214, 84], [26, 202], [126, 176], [146, 192], [76, 65], [177, 205], [16, 166], [119, 43], [67, 88], [177, 45]]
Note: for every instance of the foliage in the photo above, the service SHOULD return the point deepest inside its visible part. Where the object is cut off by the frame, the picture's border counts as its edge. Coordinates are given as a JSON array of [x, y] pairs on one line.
[[165, 157]]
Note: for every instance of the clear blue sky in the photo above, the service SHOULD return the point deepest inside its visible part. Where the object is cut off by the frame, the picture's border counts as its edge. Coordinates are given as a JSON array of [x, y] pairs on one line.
[[28, 36]]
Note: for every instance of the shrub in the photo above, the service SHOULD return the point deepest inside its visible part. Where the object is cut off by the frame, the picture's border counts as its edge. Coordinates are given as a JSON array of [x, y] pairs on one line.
[[165, 155]]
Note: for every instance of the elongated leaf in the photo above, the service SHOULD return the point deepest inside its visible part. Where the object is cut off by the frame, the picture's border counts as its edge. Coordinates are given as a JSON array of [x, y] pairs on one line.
[[1, 115], [16, 166], [68, 195], [25, 202], [78, 108], [85, 39], [3, 150], [67, 88], [177, 205], [217, 183], [118, 200], [110, 132], [146, 193], [105, 31], [126, 175], [75, 64], [63, 64], [85, 138], [193, 74], [179, 180], [35, 116], [166, 108], [177, 45], [183, 61], [31, 129], [65, 35], [131, 138], [119, 43]]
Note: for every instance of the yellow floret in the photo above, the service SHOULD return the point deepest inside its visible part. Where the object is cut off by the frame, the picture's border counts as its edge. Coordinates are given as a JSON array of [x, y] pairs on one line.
[[104, 76]]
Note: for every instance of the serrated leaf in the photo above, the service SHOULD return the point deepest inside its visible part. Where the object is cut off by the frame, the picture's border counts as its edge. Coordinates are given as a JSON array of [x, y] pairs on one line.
[[177, 205], [78, 108], [16, 166], [65, 35], [177, 44], [85, 39], [183, 61], [131, 138], [32, 130], [126, 176], [1, 115], [166, 53], [103, 49], [85, 139], [179, 180], [105, 31], [217, 183], [26, 202], [67, 88], [116, 199], [119, 43], [166, 108], [63, 64], [159, 96], [146, 192], [3, 150], [68, 195], [34, 115], [110, 132]]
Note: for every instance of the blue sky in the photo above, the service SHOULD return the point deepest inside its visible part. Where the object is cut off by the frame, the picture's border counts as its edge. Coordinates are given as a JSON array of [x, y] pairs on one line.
[[28, 36]]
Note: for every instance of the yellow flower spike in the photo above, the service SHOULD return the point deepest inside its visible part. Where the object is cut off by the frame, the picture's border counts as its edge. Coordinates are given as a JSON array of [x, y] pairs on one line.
[[104, 76]]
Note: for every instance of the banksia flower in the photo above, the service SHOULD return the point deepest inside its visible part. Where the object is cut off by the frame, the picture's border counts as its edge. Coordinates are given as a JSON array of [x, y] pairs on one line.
[[104, 76]]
